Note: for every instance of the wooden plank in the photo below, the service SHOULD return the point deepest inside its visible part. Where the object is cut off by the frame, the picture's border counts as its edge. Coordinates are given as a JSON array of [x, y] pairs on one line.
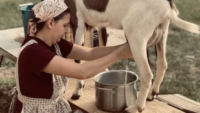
[[187, 99], [87, 101], [11, 39], [8, 55], [117, 33], [160, 107], [181, 102], [113, 39], [10, 42]]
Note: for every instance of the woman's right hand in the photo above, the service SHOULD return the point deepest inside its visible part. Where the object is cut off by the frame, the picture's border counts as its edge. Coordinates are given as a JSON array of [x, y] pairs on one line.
[[124, 51]]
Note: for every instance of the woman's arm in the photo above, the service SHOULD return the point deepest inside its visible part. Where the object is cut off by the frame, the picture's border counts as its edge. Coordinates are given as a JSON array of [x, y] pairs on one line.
[[61, 66], [84, 53]]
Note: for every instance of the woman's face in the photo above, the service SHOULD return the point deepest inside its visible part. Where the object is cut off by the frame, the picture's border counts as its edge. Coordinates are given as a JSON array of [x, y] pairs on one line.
[[60, 28]]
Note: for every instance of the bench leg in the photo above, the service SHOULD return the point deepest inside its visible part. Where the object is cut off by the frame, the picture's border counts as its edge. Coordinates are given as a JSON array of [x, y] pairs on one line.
[[1, 60]]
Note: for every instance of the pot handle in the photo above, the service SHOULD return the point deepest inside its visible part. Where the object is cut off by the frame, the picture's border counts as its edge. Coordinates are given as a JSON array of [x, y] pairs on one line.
[[104, 89], [111, 92]]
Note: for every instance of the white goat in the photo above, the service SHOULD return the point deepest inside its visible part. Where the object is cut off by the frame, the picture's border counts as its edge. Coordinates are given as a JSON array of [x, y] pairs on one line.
[[144, 22]]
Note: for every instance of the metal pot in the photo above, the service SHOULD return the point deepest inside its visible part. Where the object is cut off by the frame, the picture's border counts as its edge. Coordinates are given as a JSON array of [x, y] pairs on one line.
[[114, 93]]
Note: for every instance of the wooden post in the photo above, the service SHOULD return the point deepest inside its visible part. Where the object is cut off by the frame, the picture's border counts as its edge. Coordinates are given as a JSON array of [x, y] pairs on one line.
[[69, 34], [88, 37], [100, 38], [1, 60]]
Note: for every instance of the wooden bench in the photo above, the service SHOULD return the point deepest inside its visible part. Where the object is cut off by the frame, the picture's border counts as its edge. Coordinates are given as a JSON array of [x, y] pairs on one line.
[[87, 101], [11, 39]]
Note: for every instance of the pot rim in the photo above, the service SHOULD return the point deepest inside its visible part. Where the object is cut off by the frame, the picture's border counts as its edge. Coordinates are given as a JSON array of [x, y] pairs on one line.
[[116, 71]]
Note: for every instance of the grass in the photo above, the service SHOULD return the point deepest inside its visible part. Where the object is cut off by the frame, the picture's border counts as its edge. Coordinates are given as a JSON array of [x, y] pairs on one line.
[[10, 14], [183, 50], [6, 83], [5, 86], [182, 75]]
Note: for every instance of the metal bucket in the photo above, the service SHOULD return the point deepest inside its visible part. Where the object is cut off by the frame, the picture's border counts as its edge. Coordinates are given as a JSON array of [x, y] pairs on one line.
[[27, 13], [113, 94]]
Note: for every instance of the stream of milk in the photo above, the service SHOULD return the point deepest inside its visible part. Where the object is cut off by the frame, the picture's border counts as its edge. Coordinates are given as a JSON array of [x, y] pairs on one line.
[[125, 82], [126, 72]]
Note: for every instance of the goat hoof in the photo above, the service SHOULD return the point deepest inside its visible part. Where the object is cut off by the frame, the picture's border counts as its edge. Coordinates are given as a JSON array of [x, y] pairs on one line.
[[75, 97], [126, 111], [140, 111], [148, 99], [129, 109], [153, 96]]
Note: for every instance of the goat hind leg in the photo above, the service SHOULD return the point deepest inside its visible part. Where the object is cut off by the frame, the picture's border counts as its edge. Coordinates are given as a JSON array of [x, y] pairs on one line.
[[138, 48], [161, 64]]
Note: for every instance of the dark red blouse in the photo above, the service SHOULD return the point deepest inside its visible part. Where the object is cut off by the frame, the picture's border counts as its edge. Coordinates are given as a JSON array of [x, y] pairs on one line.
[[33, 82]]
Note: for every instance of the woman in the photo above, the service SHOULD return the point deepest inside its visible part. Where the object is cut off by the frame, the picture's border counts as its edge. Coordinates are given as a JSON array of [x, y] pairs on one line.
[[42, 68]]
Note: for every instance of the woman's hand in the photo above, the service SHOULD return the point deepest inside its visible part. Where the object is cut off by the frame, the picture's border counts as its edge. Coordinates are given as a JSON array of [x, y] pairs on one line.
[[124, 51]]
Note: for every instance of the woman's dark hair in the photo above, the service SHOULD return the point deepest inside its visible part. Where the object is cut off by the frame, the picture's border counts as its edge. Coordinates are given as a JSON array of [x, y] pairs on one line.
[[41, 25]]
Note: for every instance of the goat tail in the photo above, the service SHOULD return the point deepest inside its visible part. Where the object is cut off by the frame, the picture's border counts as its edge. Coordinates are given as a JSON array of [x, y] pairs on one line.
[[184, 24]]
